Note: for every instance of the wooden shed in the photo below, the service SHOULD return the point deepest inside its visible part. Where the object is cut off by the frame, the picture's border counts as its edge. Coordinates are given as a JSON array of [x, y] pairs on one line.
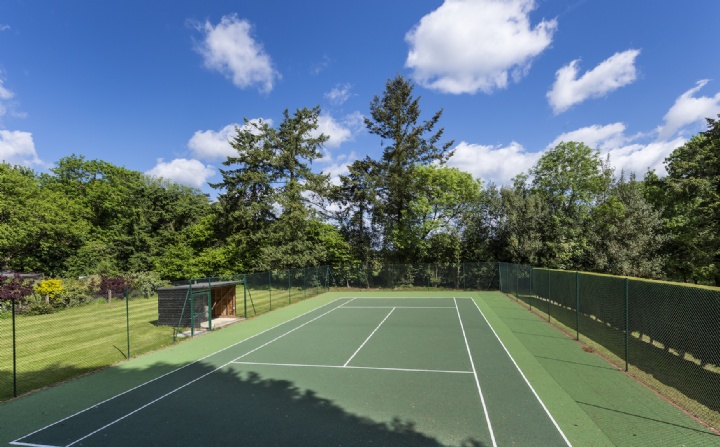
[[172, 300]]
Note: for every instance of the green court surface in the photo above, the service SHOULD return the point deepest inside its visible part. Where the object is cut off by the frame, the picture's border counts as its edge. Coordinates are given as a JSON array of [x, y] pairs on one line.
[[378, 369]]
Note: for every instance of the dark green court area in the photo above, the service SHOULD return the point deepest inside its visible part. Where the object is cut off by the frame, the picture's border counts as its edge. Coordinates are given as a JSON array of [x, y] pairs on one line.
[[383, 369]]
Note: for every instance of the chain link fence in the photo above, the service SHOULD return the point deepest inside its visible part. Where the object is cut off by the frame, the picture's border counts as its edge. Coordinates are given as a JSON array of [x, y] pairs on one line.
[[78, 327], [667, 335], [457, 276]]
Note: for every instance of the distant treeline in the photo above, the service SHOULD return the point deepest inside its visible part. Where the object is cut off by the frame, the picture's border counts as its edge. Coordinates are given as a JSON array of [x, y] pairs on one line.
[[570, 211]]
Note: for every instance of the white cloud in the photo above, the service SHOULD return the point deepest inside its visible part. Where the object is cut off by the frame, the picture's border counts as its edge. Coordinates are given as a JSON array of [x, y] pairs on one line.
[[212, 145], [627, 153], [338, 94], [4, 27], [470, 45], [181, 170], [596, 136], [493, 163], [689, 110], [337, 133], [17, 148], [616, 71], [230, 49]]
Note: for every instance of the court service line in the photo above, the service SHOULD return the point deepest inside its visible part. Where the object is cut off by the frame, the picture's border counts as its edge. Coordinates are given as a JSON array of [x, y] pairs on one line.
[[523, 376], [368, 338], [18, 440], [397, 307], [477, 380], [354, 367]]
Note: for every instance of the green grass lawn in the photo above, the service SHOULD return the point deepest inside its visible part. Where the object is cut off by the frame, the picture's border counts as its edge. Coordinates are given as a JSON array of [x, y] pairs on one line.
[[55, 347]]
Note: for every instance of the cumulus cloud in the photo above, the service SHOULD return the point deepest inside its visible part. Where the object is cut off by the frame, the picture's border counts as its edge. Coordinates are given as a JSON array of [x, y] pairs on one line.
[[337, 132], [469, 45], [215, 145], [17, 148], [497, 164], [688, 110], [338, 94], [612, 73], [212, 145], [595, 136], [230, 49], [181, 170], [628, 153]]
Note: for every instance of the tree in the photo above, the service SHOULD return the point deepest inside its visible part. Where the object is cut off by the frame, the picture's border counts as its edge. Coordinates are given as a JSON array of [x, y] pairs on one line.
[[571, 179], [357, 198], [627, 233], [39, 228], [394, 118], [266, 207], [693, 186]]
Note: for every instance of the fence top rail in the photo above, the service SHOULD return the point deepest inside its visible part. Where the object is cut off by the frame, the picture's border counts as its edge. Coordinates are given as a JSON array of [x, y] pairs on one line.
[[633, 278]]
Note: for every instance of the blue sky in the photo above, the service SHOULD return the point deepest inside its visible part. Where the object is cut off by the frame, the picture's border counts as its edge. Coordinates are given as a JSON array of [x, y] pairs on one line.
[[158, 86]]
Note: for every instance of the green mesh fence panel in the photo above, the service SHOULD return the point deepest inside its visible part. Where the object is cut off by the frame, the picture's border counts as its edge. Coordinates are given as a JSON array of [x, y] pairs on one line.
[[602, 312], [665, 334], [75, 333], [675, 343]]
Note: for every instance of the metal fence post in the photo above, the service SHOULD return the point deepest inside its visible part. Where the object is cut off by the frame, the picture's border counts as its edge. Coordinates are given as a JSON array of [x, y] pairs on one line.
[[209, 307], [548, 295], [577, 305], [270, 286], [127, 318], [245, 295], [627, 320], [14, 351]]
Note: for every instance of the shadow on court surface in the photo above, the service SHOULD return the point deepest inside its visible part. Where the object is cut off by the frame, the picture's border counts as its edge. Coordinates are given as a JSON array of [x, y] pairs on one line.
[[227, 407]]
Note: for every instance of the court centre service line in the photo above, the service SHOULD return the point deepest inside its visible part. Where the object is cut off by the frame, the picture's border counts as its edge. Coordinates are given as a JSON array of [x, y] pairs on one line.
[[523, 376], [18, 440], [368, 338], [477, 380], [354, 367]]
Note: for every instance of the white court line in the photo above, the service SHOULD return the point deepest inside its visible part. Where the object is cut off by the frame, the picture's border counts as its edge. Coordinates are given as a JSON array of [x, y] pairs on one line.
[[196, 379], [32, 445], [477, 380], [18, 442], [355, 367], [397, 307], [368, 338], [523, 376]]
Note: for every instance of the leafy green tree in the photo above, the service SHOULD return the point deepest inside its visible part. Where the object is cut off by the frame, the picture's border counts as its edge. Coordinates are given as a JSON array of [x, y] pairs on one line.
[[571, 179], [39, 228], [408, 143], [444, 196], [627, 233], [693, 186]]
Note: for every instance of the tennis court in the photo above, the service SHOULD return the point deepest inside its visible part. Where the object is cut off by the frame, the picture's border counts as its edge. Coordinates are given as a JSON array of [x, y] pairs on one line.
[[355, 371], [364, 369]]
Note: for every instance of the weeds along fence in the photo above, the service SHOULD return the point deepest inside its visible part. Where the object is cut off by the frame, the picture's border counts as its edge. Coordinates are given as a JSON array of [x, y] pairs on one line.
[[40, 347], [665, 334]]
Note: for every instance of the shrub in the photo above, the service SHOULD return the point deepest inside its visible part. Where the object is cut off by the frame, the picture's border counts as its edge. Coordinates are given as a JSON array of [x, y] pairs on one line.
[[50, 288], [76, 292], [146, 284]]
